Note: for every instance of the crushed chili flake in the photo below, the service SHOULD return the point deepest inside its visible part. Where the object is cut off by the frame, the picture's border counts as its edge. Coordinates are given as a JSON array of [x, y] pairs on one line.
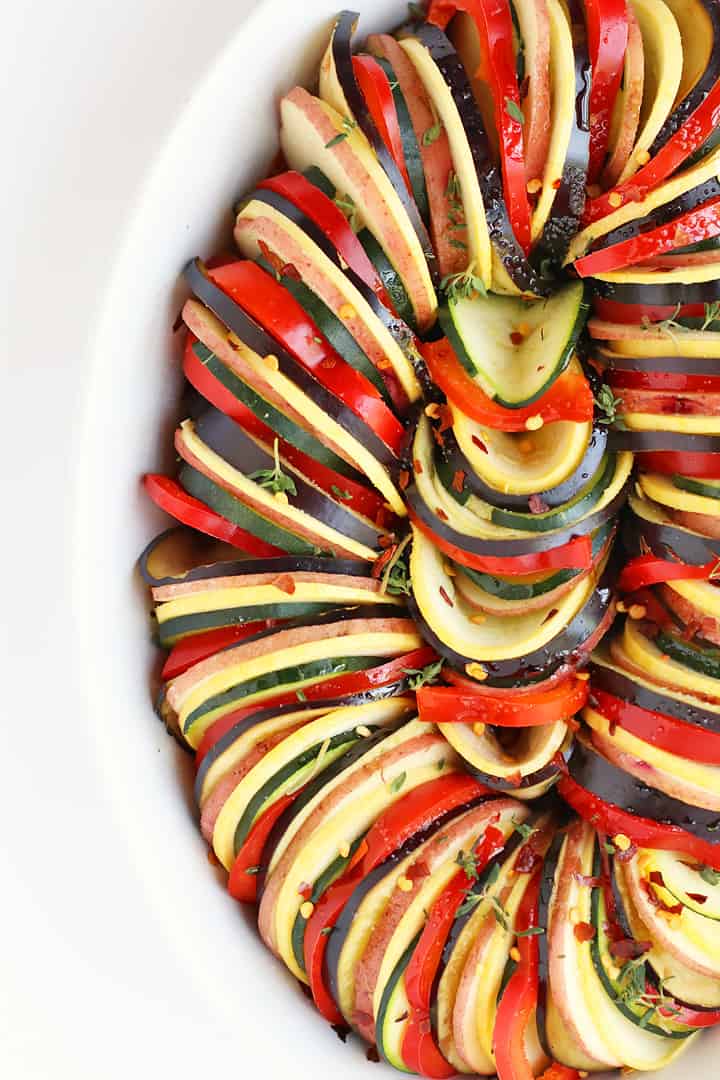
[[418, 871], [274, 260], [445, 417], [328, 362], [628, 855], [441, 513], [381, 562], [516, 337], [657, 878], [445, 597], [699, 898], [528, 859], [537, 505], [383, 364], [556, 184], [479, 443], [458, 481], [550, 615], [587, 881], [286, 583], [417, 466], [288, 270], [629, 948], [514, 779], [584, 931], [305, 890], [404, 479], [386, 541], [438, 437]]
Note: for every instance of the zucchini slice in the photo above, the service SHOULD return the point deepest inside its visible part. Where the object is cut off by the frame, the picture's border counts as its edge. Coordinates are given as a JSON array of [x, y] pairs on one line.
[[685, 882], [499, 341], [667, 492], [635, 647]]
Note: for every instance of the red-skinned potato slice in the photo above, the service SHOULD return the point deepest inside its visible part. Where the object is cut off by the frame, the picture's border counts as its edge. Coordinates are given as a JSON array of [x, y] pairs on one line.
[[534, 22], [626, 114], [436, 158]]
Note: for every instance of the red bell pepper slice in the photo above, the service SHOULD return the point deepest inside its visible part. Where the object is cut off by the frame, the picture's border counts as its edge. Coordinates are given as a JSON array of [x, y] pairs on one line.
[[278, 312], [690, 137], [576, 554], [519, 999], [607, 28], [666, 732], [682, 463], [363, 500], [170, 497], [451, 705], [615, 311], [663, 381], [191, 650], [420, 1052], [375, 88], [647, 570], [328, 217], [699, 224], [493, 20], [242, 881], [415, 811], [356, 682], [569, 397], [641, 831]]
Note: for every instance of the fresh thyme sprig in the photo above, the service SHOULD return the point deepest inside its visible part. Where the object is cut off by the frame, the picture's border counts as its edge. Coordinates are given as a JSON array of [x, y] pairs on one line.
[[274, 480]]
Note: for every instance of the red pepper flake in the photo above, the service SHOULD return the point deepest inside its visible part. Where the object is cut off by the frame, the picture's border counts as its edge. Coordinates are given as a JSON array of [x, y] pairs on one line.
[[587, 881], [514, 779], [698, 897], [383, 364], [404, 479], [629, 948], [445, 597], [458, 481], [557, 184], [441, 513], [550, 615], [274, 260], [536, 505], [285, 583], [288, 270], [418, 871], [328, 362], [524, 87], [627, 855], [479, 443], [527, 860], [305, 890], [445, 417], [381, 562], [584, 931], [386, 541], [516, 337], [438, 437], [417, 466], [657, 879]]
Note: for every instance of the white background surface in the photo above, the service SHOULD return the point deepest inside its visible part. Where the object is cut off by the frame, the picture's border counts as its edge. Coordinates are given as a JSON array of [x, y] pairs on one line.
[[127, 129]]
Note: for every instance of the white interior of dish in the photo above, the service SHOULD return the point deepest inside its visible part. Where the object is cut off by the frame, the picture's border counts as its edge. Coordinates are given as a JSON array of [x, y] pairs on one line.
[[219, 982]]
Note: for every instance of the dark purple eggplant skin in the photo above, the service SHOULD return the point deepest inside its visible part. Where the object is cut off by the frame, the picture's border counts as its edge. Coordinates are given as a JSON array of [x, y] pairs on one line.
[[336, 939], [682, 365], [281, 564], [569, 202], [556, 496], [342, 56], [662, 215], [702, 88], [236, 320], [596, 774], [625, 688], [547, 888], [562, 649], [509, 548], [551, 771], [650, 441], [230, 442], [521, 273], [669, 293], [399, 329], [668, 542]]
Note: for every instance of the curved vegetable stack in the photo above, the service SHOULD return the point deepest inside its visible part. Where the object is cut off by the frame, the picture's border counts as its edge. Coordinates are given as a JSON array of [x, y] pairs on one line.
[[402, 466]]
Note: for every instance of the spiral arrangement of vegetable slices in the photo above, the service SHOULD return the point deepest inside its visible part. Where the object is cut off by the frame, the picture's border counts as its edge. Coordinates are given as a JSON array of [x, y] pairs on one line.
[[440, 602]]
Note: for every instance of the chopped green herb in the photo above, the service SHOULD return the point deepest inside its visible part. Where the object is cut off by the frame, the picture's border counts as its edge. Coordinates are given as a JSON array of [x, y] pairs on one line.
[[712, 877], [396, 576], [452, 190], [252, 870], [349, 209], [467, 861], [609, 847], [432, 134], [274, 479], [418, 677], [453, 242], [513, 110], [336, 139], [665, 326], [712, 312], [398, 782], [463, 286], [327, 930], [523, 828], [317, 339], [416, 12], [301, 695], [608, 404], [532, 931], [441, 764], [339, 493]]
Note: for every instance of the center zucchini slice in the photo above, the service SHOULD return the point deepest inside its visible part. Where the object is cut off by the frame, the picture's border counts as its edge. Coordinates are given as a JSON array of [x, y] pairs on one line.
[[515, 349]]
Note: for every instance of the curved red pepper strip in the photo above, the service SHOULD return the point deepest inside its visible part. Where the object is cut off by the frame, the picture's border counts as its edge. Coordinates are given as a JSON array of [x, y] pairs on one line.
[[375, 88], [241, 884], [666, 732], [575, 555], [615, 311], [328, 217], [607, 28], [363, 500], [690, 137], [415, 811], [170, 497], [682, 463], [355, 682], [420, 1052], [191, 650], [569, 397], [518, 1001], [279, 313], [450, 705], [497, 68], [641, 831], [699, 224], [666, 381], [647, 570]]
